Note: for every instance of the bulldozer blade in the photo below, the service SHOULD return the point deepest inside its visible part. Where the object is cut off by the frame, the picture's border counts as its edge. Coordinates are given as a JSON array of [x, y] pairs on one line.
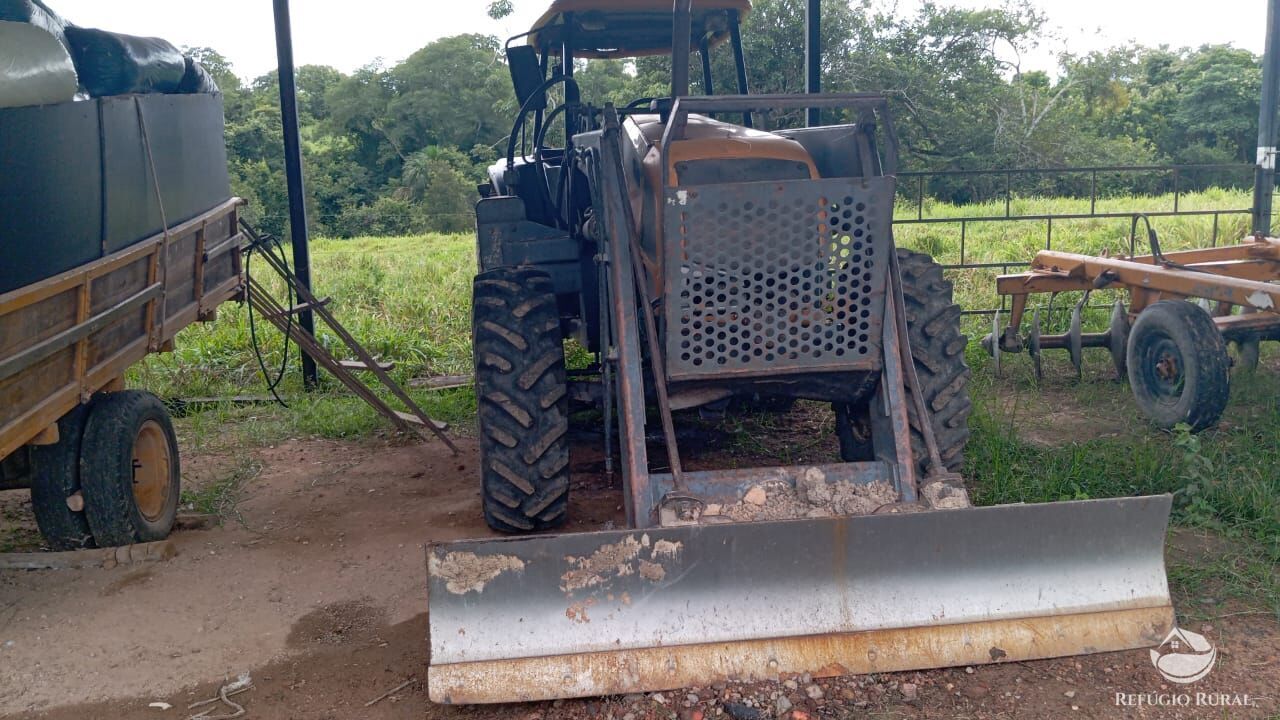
[[617, 612]]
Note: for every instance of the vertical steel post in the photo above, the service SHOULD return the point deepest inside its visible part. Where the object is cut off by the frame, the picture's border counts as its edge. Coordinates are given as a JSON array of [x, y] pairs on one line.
[[1264, 179], [813, 56], [681, 40], [739, 60], [293, 175]]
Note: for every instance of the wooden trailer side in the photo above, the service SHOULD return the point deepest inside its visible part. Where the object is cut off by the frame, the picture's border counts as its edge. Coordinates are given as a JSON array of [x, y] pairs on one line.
[[67, 337]]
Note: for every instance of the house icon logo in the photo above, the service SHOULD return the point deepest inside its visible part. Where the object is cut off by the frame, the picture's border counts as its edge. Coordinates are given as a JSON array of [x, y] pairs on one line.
[[1184, 657]]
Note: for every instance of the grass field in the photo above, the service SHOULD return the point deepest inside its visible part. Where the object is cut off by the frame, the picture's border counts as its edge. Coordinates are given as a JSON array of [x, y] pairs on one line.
[[407, 299]]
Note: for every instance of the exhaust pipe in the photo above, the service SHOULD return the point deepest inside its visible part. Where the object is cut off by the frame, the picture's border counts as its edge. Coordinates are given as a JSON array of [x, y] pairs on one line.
[[681, 38]]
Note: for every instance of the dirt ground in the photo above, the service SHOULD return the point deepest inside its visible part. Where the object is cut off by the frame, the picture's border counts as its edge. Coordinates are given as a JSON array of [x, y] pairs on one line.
[[317, 592]]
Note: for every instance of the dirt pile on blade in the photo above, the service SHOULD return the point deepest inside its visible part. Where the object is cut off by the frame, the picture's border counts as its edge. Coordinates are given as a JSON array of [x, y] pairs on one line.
[[812, 497]]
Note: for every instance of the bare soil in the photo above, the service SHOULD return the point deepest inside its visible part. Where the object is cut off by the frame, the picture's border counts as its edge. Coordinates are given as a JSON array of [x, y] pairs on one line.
[[315, 587]]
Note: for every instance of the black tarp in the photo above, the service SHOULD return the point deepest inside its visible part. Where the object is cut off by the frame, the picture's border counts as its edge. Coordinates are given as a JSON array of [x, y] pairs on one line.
[[77, 183]]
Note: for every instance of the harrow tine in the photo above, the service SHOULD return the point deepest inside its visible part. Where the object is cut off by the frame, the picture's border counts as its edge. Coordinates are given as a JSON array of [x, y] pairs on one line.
[[1033, 344], [1075, 342], [995, 342], [1118, 338]]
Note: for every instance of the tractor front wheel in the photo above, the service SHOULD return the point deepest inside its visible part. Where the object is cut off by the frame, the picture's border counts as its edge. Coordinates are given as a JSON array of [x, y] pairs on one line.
[[937, 347], [522, 400]]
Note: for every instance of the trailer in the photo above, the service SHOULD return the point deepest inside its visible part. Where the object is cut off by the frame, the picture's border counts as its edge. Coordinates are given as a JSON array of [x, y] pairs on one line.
[[1171, 340], [101, 460]]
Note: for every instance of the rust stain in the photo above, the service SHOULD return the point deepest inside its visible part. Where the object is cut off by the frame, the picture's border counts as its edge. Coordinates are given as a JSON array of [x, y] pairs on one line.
[[651, 571], [465, 572], [666, 548], [611, 560], [651, 669], [577, 612]]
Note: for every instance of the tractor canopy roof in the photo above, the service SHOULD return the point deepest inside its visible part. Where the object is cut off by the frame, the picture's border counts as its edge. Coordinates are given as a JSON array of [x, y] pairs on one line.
[[628, 28]]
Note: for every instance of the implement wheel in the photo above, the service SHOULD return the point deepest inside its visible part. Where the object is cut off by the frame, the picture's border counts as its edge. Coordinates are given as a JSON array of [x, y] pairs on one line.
[[55, 480], [129, 469], [1178, 365], [522, 400]]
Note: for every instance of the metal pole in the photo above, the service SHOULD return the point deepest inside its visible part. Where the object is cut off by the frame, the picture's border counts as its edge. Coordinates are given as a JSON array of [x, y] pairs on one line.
[[293, 175], [739, 60], [813, 56], [1264, 179], [682, 38]]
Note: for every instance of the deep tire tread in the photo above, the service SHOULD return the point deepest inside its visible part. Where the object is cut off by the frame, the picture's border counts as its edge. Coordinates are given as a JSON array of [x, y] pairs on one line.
[[106, 469], [523, 404], [937, 346], [55, 476]]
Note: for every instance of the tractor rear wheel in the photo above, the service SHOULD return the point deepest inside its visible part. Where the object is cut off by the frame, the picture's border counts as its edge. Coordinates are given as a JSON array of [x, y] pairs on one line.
[[937, 346], [522, 400]]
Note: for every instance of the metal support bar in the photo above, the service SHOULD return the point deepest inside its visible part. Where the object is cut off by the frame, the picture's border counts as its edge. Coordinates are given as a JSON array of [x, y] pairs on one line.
[[681, 38], [813, 57], [293, 173], [1265, 176], [739, 62]]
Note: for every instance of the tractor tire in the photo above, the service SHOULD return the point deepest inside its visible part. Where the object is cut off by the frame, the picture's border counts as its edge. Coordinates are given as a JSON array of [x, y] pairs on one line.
[[522, 400], [129, 469], [55, 479], [1178, 366], [937, 346]]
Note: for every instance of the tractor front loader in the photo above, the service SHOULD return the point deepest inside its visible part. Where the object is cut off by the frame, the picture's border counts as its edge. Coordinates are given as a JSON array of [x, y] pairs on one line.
[[701, 261]]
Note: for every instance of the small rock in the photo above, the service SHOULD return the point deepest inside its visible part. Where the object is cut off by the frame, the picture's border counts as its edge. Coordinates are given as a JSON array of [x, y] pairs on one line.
[[1075, 707], [712, 510], [806, 678], [800, 715], [160, 705], [1070, 693], [658, 698], [692, 697], [969, 670], [783, 704], [741, 711], [909, 692], [756, 496], [814, 692], [791, 685]]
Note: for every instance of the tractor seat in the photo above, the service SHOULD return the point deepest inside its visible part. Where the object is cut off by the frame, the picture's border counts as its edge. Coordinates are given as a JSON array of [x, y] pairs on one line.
[[716, 152]]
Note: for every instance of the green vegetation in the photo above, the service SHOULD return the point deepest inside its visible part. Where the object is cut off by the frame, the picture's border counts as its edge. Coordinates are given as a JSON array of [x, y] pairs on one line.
[[399, 150]]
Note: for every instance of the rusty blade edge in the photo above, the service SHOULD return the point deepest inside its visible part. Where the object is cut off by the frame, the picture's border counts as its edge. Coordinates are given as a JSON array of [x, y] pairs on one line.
[[918, 648]]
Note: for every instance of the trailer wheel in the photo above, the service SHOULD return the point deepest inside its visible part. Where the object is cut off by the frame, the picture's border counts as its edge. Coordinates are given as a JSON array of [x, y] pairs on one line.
[[129, 469], [1178, 365], [522, 400], [55, 479]]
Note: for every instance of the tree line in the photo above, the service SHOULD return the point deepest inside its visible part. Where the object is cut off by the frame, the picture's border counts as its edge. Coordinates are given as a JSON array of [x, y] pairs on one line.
[[400, 149]]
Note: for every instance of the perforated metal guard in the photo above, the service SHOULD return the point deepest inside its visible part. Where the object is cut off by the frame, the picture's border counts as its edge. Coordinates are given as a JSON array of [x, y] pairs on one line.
[[776, 278]]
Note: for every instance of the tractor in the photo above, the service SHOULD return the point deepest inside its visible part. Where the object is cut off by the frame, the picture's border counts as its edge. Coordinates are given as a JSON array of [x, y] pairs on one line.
[[704, 262]]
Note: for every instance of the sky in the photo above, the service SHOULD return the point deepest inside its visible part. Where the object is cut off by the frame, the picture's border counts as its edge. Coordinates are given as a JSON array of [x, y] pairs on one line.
[[391, 30]]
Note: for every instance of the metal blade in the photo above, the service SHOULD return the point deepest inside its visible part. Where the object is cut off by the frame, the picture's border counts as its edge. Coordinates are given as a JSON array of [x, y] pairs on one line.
[[631, 611]]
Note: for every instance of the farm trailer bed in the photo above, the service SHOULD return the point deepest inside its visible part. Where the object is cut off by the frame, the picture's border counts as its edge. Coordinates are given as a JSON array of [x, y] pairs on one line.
[[102, 461]]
